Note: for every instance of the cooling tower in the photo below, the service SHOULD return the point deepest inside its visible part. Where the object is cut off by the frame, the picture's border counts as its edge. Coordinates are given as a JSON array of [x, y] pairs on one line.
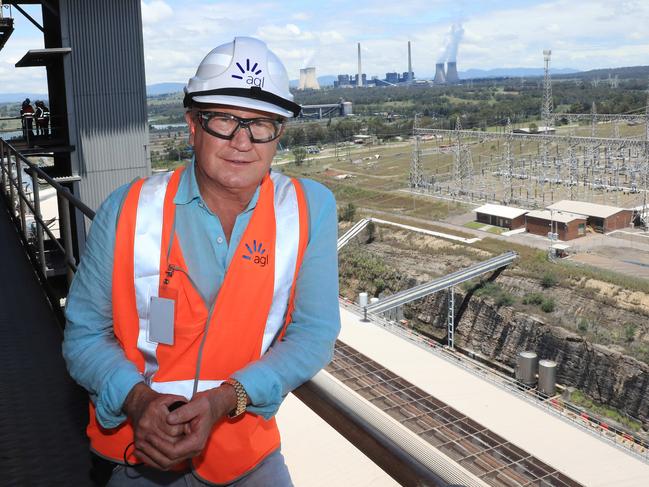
[[440, 77], [308, 80], [451, 72]]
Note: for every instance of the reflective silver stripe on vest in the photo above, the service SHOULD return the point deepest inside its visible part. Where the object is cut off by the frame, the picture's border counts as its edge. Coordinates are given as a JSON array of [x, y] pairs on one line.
[[287, 239], [146, 253], [148, 238], [184, 387]]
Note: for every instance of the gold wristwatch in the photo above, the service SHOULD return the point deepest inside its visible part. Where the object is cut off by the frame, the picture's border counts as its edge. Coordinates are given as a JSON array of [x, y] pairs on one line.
[[242, 398]]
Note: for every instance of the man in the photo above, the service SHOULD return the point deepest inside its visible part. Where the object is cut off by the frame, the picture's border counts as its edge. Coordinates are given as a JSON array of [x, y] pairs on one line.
[[42, 115], [27, 119], [204, 296]]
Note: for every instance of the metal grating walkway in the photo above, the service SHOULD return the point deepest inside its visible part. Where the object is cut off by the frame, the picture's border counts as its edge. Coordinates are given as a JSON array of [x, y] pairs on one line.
[[42, 412], [482, 452]]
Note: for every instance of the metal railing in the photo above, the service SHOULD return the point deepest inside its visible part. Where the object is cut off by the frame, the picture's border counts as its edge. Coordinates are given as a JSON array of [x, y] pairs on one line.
[[595, 426], [22, 204]]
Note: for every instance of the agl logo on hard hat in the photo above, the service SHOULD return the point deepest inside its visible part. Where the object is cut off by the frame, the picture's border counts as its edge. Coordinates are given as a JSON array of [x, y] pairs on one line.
[[249, 78]]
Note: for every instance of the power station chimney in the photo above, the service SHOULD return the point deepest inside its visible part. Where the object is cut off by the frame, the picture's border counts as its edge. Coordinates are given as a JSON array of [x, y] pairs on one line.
[[410, 76], [308, 80], [359, 81], [451, 72], [440, 76]]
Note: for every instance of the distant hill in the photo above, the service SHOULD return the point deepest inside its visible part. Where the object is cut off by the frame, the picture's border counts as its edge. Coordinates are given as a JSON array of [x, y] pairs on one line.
[[164, 88], [630, 72], [512, 72], [18, 97]]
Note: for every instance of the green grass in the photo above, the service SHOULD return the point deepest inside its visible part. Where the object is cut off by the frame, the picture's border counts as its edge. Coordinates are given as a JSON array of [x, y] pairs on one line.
[[474, 225], [580, 399]]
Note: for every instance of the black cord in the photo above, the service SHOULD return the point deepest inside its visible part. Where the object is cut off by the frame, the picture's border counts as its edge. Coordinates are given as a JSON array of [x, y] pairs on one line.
[[126, 462]]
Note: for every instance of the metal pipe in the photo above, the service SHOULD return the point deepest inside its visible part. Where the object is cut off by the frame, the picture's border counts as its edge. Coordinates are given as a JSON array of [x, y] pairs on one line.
[[2, 167], [66, 230], [21, 196], [39, 223], [401, 453], [12, 196]]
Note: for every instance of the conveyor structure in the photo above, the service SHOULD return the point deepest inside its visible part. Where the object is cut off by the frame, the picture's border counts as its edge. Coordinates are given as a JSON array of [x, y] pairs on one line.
[[443, 283], [352, 232]]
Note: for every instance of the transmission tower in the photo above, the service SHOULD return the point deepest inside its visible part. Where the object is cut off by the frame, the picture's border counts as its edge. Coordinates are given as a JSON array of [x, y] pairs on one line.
[[416, 172], [508, 170], [462, 170], [547, 91]]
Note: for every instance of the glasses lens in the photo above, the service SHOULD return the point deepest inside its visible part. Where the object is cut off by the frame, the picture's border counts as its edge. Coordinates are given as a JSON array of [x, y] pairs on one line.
[[221, 124], [264, 130]]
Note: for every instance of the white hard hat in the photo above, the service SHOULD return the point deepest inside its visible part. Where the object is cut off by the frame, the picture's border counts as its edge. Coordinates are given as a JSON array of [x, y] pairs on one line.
[[243, 73]]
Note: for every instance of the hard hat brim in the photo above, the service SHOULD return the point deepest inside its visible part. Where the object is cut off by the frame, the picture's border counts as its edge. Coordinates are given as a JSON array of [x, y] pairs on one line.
[[241, 102], [254, 98]]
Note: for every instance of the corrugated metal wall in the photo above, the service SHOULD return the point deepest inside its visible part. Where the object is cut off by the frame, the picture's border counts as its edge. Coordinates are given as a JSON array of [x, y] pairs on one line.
[[106, 93]]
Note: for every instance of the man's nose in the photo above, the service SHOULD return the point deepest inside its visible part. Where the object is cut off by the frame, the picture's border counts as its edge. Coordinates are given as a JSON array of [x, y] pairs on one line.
[[241, 140]]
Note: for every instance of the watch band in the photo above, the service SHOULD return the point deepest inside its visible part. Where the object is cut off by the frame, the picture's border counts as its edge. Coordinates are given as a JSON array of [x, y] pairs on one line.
[[242, 398]]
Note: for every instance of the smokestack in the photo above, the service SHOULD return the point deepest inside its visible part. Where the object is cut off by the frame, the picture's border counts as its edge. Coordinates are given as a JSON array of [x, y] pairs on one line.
[[308, 80], [451, 72], [409, 64], [359, 83], [440, 77]]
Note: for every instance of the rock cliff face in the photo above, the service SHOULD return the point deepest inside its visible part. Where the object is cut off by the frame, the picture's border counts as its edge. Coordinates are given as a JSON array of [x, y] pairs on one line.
[[500, 333], [607, 376]]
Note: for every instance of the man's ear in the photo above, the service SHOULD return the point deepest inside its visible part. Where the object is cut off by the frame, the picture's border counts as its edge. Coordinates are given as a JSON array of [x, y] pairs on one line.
[[191, 123]]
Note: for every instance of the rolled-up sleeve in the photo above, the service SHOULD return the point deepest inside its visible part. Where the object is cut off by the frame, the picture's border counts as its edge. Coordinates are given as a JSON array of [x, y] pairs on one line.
[[310, 337], [93, 356]]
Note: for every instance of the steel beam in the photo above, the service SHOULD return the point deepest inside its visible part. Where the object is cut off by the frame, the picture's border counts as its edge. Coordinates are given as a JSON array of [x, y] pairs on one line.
[[442, 283]]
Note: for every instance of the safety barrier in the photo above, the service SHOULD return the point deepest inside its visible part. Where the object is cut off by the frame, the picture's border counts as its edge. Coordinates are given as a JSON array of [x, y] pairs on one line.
[[22, 204]]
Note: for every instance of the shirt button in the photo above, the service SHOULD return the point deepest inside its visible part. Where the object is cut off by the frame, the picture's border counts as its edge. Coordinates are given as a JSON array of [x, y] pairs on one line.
[[219, 240]]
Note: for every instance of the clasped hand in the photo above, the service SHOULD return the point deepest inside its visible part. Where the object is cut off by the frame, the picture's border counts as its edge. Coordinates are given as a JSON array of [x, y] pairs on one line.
[[163, 439]]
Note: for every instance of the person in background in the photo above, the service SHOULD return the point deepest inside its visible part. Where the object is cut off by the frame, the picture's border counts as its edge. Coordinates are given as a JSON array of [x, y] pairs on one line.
[[205, 295], [27, 119], [42, 115]]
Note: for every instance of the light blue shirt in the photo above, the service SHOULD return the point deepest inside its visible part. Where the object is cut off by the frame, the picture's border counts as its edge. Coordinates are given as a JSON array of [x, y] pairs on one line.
[[96, 360]]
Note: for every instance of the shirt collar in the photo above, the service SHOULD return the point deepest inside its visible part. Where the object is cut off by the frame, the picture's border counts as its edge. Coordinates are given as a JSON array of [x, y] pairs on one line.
[[188, 190]]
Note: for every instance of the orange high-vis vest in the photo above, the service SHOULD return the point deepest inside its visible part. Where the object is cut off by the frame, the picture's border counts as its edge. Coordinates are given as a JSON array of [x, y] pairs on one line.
[[252, 309]]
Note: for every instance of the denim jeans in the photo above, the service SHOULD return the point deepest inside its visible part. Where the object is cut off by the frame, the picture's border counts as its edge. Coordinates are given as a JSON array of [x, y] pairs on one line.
[[272, 471]]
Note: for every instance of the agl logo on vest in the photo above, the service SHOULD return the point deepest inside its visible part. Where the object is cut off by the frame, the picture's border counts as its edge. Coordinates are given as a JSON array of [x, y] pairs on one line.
[[256, 254]]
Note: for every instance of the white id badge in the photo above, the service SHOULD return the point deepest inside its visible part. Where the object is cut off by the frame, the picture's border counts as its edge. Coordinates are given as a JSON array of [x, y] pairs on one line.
[[161, 320]]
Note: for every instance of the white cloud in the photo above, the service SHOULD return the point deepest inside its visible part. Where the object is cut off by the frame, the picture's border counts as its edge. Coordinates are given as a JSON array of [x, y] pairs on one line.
[[155, 11]]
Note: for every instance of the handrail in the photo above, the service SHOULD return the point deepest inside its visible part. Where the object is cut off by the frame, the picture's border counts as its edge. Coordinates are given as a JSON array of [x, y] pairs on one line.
[[20, 204]]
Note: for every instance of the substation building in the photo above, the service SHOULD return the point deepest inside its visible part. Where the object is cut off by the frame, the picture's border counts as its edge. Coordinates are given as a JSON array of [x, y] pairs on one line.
[[566, 225], [501, 216], [601, 218]]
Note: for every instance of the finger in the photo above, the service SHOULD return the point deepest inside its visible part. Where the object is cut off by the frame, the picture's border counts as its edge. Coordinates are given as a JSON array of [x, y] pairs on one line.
[[167, 448], [186, 413], [169, 431], [161, 460], [146, 459]]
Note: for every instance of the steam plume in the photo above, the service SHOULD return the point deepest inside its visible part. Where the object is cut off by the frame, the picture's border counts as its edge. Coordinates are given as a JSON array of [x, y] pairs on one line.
[[453, 38]]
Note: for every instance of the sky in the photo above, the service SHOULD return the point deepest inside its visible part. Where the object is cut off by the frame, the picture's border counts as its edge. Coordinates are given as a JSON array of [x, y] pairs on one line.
[[583, 34]]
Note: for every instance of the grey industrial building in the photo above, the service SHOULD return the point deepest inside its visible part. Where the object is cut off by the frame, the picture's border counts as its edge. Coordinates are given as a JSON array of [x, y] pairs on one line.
[[94, 59]]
